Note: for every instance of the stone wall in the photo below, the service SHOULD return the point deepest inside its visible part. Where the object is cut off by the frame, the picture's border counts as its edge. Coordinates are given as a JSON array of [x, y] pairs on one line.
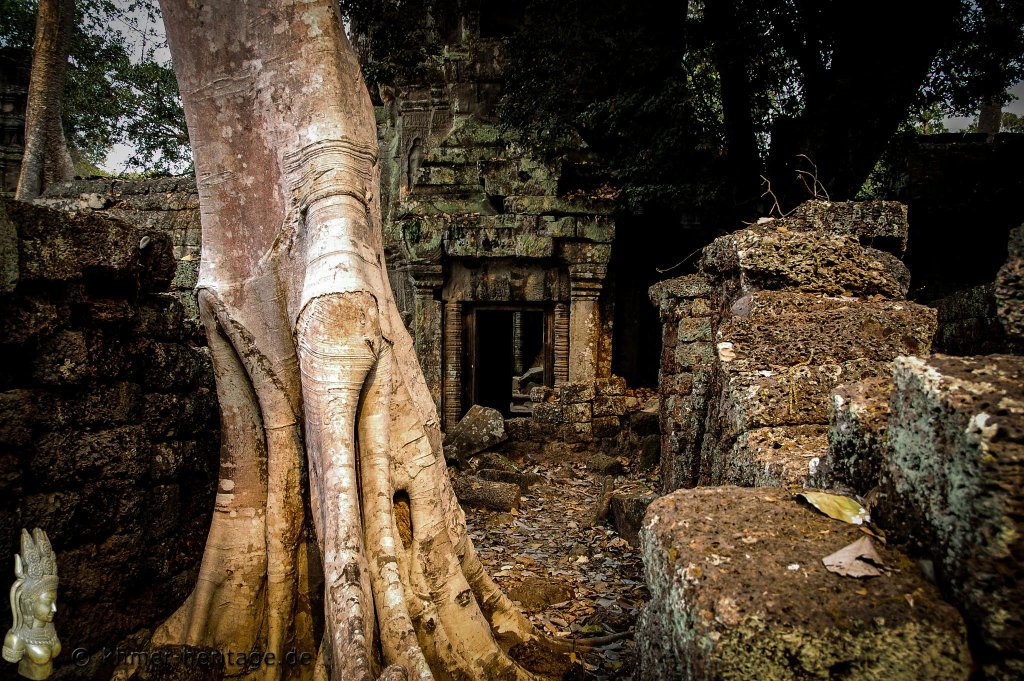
[[578, 419], [108, 422], [783, 312], [969, 323], [473, 221], [165, 205], [684, 305]]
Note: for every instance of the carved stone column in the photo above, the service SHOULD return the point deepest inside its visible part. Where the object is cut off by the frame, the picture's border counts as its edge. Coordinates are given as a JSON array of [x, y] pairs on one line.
[[561, 343], [586, 280], [426, 329], [452, 362], [517, 343]]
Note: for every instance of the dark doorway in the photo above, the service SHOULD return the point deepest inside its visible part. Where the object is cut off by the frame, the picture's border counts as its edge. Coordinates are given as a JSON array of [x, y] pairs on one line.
[[509, 353]]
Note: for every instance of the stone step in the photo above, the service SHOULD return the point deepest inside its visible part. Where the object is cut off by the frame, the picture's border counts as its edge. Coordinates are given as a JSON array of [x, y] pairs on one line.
[[739, 591]]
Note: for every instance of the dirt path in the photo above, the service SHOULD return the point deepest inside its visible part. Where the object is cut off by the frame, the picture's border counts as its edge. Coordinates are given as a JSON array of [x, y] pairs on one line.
[[573, 580]]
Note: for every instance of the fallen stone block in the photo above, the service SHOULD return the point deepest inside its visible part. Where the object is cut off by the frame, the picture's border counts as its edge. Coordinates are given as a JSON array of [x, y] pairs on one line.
[[956, 461], [739, 591], [495, 461], [604, 464], [856, 436], [496, 496], [521, 480], [770, 256], [479, 429], [628, 514]]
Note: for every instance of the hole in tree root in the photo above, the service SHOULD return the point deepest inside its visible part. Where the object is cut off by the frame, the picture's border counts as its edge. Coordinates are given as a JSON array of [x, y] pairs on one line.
[[403, 517]]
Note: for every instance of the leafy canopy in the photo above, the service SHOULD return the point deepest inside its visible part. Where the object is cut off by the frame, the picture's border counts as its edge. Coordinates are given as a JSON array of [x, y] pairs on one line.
[[117, 89]]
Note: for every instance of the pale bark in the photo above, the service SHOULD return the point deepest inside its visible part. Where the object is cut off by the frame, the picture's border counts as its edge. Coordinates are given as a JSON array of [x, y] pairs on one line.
[[315, 368], [46, 159]]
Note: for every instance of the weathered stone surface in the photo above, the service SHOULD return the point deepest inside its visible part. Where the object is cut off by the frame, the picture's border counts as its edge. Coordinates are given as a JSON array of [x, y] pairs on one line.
[[121, 477], [574, 393], [1009, 287], [606, 426], [57, 246], [609, 406], [956, 458], [738, 591], [787, 328], [856, 436], [604, 464], [774, 257], [879, 224], [522, 480], [535, 594], [780, 354], [689, 286], [628, 514], [496, 496], [969, 323], [785, 456], [8, 253], [479, 429], [495, 461]]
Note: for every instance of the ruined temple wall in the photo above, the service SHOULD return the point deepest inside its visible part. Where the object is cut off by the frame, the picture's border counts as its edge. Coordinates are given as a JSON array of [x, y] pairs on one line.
[[109, 437], [165, 205], [784, 311]]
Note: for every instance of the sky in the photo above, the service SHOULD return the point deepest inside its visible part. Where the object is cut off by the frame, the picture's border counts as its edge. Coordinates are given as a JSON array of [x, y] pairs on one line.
[[958, 123]]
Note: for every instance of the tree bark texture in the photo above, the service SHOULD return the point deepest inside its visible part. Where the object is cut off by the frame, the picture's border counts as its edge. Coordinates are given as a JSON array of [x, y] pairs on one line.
[[46, 159], [320, 393]]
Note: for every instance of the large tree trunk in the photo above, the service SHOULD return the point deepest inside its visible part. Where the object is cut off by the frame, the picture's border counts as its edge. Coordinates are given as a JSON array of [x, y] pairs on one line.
[[46, 159], [315, 367], [856, 101]]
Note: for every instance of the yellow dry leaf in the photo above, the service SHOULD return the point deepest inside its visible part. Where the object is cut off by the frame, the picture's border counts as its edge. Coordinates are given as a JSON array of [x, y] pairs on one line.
[[837, 506]]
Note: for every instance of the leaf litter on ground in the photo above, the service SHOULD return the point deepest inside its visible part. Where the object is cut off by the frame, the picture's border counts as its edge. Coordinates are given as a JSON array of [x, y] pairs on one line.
[[551, 539]]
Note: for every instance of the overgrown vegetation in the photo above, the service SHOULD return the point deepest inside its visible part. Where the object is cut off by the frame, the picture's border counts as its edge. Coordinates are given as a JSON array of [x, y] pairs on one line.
[[117, 90]]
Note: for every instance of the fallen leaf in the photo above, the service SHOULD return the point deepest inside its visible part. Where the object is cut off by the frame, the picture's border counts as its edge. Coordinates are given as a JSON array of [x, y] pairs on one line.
[[859, 559], [837, 506]]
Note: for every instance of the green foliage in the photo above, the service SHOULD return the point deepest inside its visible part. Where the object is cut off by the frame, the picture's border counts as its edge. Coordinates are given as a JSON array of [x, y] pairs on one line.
[[985, 59], [392, 37], [1010, 122], [116, 91], [627, 81]]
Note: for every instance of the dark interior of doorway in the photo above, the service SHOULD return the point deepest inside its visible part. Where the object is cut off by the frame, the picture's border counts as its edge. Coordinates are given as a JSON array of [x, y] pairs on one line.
[[503, 375]]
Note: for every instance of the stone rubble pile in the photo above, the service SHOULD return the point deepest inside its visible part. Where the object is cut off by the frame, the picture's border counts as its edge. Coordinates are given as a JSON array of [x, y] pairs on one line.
[[793, 361]]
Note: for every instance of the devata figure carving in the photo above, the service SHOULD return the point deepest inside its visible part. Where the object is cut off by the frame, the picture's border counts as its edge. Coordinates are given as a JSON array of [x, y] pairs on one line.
[[32, 641]]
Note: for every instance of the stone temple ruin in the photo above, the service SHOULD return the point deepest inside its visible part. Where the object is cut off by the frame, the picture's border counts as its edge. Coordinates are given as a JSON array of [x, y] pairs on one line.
[[501, 273], [793, 362], [790, 361]]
